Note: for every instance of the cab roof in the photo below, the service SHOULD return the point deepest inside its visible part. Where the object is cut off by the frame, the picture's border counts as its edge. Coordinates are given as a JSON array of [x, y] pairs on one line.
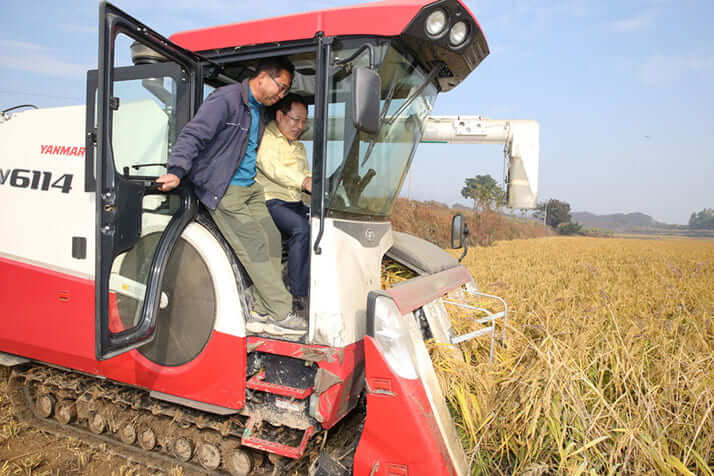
[[384, 18]]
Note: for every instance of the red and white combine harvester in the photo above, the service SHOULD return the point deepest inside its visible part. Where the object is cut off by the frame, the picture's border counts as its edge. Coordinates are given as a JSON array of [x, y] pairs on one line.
[[124, 310]]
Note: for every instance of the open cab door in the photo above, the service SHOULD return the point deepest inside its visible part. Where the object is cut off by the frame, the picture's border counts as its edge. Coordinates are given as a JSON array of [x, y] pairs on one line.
[[147, 88]]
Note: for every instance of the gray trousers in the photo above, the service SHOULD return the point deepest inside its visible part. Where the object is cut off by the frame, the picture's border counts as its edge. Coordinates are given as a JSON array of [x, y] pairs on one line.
[[244, 220]]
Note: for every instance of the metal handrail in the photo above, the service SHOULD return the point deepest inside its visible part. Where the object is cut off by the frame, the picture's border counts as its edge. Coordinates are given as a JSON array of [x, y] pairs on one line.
[[505, 310], [490, 317]]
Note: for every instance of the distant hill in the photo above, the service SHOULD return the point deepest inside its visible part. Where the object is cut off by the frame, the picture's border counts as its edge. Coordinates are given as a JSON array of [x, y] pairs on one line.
[[618, 221], [461, 206], [432, 221]]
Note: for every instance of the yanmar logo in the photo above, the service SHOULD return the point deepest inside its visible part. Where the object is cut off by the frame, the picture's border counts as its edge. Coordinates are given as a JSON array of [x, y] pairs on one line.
[[63, 150]]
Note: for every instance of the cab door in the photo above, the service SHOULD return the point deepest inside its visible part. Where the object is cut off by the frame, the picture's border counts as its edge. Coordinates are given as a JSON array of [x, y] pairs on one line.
[[147, 88]]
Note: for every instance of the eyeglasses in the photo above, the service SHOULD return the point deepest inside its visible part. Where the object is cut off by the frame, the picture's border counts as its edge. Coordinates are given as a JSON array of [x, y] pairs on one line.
[[297, 120], [282, 89]]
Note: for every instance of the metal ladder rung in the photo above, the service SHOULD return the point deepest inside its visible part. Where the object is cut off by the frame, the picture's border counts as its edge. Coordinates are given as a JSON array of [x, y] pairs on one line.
[[466, 306], [471, 335], [262, 444], [490, 317]]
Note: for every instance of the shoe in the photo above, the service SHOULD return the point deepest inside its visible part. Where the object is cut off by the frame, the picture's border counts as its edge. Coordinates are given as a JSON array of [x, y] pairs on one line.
[[294, 322], [292, 325], [256, 323], [301, 306], [256, 316]]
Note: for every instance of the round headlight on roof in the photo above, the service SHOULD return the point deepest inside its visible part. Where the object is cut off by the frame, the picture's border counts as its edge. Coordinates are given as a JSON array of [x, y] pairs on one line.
[[436, 22], [458, 33]]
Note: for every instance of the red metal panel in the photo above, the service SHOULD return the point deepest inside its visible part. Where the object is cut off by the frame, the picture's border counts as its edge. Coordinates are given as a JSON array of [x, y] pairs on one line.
[[216, 376], [386, 18], [49, 317], [346, 363], [400, 434], [339, 399], [257, 382], [293, 452], [293, 349], [415, 293]]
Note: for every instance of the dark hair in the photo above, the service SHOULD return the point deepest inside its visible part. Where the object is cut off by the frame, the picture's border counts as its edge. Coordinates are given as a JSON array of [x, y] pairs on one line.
[[274, 65], [286, 103]]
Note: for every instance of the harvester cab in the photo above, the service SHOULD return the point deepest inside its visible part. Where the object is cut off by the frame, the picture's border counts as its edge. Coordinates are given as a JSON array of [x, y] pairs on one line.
[[139, 287]]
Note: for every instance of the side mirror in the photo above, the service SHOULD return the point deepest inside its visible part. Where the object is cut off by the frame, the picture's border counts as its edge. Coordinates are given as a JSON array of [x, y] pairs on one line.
[[366, 89], [457, 231], [459, 234]]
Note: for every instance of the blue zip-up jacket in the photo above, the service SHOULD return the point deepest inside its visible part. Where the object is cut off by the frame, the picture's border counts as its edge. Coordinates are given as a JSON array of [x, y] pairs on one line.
[[211, 146]]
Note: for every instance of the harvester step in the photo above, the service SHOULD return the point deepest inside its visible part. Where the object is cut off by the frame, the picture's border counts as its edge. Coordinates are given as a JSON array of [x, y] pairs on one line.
[[294, 452], [257, 382]]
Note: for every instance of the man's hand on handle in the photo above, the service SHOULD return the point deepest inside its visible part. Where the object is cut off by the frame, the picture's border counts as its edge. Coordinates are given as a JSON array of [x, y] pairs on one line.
[[168, 182], [307, 184]]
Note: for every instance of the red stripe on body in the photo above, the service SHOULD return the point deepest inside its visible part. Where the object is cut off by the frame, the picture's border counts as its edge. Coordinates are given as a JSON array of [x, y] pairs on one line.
[[401, 434], [414, 293], [346, 363], [216, 376], [48, 316], [393, 18]]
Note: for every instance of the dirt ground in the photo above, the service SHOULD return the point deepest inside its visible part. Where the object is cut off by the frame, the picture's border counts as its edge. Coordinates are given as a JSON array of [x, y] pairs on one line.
[[25, 451]]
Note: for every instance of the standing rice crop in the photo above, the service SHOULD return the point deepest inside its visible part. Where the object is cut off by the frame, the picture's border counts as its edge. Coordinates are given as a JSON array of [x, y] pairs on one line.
[[609, 364]]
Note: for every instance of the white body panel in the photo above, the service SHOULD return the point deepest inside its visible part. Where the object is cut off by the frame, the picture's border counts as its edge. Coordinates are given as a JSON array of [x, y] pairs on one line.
[[39, 224], [52, 140], [229, 305], [341, 277]]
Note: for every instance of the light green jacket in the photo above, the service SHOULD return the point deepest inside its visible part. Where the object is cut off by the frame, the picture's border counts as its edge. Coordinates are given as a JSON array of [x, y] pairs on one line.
[[282, 166]]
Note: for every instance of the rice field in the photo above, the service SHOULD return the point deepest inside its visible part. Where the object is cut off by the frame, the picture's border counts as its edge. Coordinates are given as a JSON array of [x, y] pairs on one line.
[[608, 367], [609, 362]]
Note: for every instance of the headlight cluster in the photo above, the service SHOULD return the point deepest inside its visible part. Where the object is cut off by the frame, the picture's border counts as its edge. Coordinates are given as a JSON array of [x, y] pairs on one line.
[[391, 330], [437, 24]]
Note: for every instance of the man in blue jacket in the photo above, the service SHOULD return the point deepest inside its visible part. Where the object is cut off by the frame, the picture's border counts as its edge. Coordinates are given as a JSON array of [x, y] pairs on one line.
[[217, 151]]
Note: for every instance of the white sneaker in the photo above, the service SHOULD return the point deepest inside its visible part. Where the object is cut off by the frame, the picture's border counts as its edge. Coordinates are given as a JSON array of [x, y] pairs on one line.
[[293, 321], [292, 325]]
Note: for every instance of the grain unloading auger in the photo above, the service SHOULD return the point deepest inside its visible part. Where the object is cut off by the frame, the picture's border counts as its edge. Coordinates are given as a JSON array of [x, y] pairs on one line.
[[124, 310], [521, 141]]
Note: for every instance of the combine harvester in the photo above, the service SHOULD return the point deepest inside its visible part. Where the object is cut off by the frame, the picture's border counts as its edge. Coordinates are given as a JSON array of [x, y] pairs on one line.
[[124, 310]]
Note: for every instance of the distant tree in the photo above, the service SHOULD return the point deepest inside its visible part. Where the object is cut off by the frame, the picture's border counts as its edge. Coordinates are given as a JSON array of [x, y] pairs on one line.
[[484, 191], [571, 228], [703, 219], [555, 212]]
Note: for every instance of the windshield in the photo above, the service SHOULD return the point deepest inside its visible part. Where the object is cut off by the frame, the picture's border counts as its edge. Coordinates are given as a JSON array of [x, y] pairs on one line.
[[366, 172]]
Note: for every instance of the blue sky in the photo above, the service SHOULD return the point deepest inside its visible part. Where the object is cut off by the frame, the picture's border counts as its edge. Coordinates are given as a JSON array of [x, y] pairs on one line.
[[622, 90]]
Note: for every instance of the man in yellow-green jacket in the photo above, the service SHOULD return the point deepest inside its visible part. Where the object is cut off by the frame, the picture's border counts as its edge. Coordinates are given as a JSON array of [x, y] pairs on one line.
[[283, 172]]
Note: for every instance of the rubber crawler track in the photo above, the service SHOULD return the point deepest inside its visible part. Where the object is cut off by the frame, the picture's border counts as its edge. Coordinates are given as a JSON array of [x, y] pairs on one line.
[[121, 405]]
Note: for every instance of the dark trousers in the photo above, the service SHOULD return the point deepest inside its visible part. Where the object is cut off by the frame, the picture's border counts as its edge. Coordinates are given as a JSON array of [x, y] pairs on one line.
[[291, 218]]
